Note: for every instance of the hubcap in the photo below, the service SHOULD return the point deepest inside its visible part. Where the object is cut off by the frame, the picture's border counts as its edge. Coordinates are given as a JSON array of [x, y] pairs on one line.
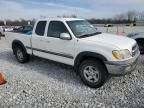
[[91, 74], [20, 54]]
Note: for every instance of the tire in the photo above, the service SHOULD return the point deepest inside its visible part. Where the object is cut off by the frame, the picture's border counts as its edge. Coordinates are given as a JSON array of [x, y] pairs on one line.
[[93, 73], [141, 46], [21, 54]]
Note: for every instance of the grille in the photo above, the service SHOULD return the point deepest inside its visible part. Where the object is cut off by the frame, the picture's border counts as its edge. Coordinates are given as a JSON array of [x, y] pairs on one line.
[[135, 50]]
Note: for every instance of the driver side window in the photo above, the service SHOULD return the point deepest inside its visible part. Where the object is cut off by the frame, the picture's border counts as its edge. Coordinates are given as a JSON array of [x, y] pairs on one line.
[[56, 28]]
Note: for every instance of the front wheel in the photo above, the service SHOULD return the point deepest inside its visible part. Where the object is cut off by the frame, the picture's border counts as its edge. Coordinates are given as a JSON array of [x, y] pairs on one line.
[[93, 73]]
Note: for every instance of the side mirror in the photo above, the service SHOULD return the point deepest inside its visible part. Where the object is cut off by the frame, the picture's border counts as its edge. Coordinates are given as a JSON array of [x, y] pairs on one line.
[[65, 36]]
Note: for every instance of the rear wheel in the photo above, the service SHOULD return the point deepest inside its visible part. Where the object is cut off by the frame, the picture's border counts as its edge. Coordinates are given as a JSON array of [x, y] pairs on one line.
[[21, 54], [141, 46], [93, 73]]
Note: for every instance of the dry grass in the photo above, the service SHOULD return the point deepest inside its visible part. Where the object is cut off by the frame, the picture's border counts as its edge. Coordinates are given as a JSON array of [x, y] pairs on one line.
[[121, 30]]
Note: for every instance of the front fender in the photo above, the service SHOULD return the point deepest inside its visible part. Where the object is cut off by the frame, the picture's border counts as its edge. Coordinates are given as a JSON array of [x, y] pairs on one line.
[[83, 55]]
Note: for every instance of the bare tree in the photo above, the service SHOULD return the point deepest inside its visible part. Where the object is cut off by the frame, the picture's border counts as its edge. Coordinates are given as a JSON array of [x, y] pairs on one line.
[[131, 15], [73, 16], [140, 15], [68, 16], [120, 17], [1, 23]]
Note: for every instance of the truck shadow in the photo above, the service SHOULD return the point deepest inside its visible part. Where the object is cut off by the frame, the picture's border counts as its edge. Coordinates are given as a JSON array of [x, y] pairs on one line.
[[51, 69]]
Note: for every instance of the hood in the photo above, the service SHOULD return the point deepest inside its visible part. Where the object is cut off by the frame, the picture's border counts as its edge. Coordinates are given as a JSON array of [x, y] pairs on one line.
[[121, 42]]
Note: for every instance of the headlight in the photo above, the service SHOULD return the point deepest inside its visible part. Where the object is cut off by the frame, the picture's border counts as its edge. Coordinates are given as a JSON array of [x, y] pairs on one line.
[[121, 54]]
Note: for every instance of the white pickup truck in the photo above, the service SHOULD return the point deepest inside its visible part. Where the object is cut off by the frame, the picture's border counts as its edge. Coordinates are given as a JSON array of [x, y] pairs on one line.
[[72, 41]]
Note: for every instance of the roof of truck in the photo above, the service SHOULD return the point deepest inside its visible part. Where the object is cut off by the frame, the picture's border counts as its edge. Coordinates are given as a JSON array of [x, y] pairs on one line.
[[61, 19]]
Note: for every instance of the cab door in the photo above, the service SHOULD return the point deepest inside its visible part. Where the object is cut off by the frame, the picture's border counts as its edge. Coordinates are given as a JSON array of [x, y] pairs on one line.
[[38, 39], [60, 50]]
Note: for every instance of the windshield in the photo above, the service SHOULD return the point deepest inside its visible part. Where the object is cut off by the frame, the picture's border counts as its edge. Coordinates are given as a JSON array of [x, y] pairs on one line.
[[81, 28]]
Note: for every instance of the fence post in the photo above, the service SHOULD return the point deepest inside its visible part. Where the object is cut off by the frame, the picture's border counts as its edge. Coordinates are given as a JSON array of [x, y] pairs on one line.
[[107, 29], [117, 30]]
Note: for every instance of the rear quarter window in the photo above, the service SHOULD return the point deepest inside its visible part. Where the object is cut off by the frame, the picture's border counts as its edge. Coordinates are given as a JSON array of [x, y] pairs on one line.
[[40, 28]]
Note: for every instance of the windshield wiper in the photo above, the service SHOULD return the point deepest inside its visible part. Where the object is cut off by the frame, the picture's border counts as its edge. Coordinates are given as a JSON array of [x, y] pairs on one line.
[[88, 35]]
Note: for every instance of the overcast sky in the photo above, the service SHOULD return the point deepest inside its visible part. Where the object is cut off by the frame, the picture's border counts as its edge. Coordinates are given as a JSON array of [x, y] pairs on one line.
[[15, 9]]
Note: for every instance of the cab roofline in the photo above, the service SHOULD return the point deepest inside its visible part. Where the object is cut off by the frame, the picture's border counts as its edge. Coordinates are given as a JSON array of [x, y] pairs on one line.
[[60, 19]]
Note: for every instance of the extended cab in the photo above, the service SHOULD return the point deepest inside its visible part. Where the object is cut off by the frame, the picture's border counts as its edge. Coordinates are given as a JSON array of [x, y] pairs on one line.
[[72, 41]]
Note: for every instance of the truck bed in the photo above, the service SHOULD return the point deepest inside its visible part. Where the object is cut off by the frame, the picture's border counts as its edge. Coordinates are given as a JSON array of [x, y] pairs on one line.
[[13, 36]]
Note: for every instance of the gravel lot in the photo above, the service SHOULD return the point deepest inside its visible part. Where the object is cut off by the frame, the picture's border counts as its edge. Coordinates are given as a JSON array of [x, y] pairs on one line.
[[42, 83]]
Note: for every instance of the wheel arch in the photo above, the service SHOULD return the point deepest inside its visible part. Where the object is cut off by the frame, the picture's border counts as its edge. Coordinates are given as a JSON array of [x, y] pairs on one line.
[[18, 43], [140, 42], [85, 55], [139, 39]]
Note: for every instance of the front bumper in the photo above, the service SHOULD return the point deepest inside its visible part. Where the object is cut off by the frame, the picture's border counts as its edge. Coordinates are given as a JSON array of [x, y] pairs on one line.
[[122, 67]]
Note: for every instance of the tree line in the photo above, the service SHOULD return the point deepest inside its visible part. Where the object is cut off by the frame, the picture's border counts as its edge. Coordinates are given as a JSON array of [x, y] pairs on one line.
[[93, 21], [123, 18], [17, 22], [129, 17]]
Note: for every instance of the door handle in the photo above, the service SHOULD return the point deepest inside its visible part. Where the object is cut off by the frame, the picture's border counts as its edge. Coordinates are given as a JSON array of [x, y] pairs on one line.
[[45, 41]]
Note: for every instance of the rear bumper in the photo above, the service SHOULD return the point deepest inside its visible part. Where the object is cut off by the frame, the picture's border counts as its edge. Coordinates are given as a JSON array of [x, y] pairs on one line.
[[122, 67]]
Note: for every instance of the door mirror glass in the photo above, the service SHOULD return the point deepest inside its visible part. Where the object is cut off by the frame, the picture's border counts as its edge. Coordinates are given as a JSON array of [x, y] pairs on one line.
[[65, 36]]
